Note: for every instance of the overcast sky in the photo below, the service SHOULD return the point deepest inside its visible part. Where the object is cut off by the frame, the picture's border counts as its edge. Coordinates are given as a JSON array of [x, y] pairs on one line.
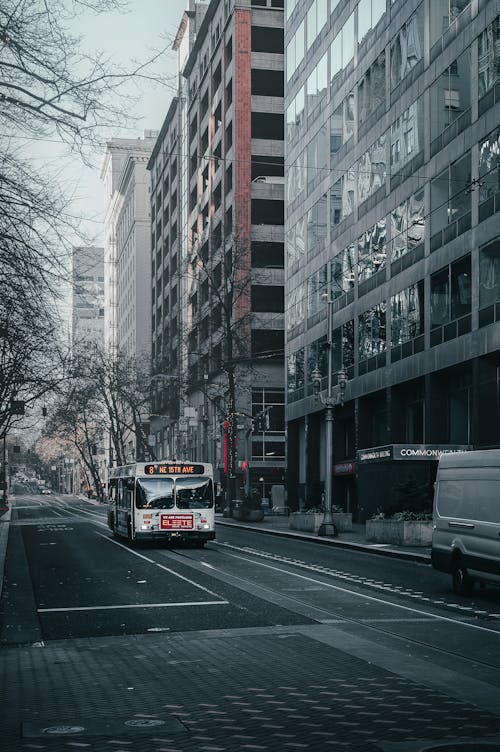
[[148, 26]]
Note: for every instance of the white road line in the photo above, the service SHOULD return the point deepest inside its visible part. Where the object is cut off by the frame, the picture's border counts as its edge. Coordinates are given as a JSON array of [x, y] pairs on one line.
[[133, 605], [162, 566], [366, 597]]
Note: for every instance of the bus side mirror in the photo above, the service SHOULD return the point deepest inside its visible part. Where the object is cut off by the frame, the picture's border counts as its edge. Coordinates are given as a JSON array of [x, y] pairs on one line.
[[130, 484]]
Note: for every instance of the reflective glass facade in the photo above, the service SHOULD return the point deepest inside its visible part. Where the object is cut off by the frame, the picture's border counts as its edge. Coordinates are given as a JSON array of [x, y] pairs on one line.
[[393, 192]]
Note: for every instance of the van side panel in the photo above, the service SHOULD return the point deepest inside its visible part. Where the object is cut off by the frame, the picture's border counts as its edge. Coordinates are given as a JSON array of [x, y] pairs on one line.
[[466, 516]]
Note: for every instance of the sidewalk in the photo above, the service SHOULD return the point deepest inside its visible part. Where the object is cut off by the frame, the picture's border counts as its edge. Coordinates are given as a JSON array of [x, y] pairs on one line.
[[355, 539]]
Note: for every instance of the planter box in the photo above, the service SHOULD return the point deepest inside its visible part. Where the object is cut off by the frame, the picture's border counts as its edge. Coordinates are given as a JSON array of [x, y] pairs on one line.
[[309, 522], [248, 515], [399, 532]]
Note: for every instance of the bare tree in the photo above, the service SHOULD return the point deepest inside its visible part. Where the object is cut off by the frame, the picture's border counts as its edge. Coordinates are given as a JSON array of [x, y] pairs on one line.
[[49, 90]]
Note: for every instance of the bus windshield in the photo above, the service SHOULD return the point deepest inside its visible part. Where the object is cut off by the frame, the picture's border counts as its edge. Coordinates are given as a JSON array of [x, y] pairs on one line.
[[194, 493], [155, 493]]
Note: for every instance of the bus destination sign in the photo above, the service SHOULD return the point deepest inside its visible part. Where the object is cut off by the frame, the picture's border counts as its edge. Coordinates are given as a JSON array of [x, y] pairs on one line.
[[174, 468]]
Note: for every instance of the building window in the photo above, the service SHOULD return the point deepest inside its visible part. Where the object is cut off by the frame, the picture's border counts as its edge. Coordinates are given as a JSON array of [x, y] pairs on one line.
[[295, 51], [295, 370], [489, 273], [316, 291], [342, 123], [489, 166], [371, 89], [407, 225], [407, 136], [407, 314], [450, 94], [316, 226], [451, 292], [488, 53], [372, 252], [407, 48], [317, 16], [342, 48], [372, 332], [450, 194], [317, 84], [369, 14], [296, 306], [295, 115], [342, 275], [371, 170]]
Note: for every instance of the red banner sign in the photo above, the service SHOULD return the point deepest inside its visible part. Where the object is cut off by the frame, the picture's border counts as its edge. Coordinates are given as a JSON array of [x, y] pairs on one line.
[[176, 522]]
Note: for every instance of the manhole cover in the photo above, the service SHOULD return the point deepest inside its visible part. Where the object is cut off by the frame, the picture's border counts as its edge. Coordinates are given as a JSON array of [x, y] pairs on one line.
[[63, 729], [141, 722]]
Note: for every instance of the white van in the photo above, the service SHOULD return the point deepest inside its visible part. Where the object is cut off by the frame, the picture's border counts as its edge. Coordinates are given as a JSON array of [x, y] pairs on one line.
[[466, 518]]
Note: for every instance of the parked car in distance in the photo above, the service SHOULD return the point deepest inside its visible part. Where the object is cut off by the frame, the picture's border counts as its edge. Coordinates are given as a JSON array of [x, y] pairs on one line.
[[46, 490], [466, 518]]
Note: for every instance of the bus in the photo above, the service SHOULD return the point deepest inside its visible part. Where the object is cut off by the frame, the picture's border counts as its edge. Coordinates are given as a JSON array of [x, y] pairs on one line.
[[167, 501]]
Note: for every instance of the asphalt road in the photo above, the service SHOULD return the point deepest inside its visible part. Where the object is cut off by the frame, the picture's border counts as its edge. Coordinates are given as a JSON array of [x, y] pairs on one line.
[[298, 616]]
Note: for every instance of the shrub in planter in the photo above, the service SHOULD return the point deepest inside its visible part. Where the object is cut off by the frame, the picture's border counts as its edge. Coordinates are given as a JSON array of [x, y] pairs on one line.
[[402, 528]]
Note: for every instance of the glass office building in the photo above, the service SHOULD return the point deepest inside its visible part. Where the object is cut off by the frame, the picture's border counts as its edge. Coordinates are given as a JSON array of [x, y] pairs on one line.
[[392, 227]]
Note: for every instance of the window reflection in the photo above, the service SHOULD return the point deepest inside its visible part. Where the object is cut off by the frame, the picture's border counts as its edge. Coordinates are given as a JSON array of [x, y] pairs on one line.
[[316, 291], [407, 225], [450, 94], [407, 314], [316, 18], [296, 178], [295, 51], [342, 123], [407, 48], [318, 155], [295, 116], [372, 332], [369, 14], [489, 166], [442, 14], [407, 136], [372, 253], [342, 274], [489, 273], [488, 53], [316, 226], [296, 309], [317, 83], [451, 295], [295, 370], [342, 48], [371, 90], [371, 169], [450, 194]]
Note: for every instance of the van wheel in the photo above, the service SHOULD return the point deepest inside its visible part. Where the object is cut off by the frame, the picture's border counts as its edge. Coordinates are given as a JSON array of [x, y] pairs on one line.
[[462, 583]]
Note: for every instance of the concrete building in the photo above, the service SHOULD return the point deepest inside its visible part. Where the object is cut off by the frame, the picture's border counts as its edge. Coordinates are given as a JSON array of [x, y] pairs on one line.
[[127, 245], [87, 306], [127, 259], [225, 290], [392, 144]]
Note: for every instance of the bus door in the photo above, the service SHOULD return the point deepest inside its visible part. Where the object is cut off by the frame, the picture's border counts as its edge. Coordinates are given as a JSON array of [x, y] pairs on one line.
[[124, 506]]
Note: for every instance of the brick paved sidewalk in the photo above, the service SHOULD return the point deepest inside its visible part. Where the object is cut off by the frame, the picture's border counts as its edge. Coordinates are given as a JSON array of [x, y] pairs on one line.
[[226, 691]]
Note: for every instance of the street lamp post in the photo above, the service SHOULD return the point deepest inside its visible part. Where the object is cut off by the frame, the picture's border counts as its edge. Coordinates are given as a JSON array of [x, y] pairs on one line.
[[327, 526]]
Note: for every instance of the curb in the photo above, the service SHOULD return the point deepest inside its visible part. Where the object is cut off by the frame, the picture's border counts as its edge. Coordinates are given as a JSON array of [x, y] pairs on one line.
[[405, 555]]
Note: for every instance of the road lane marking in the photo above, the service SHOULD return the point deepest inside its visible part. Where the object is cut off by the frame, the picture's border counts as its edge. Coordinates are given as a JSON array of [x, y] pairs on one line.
[[133, 605], [363, 595], [161, 566]]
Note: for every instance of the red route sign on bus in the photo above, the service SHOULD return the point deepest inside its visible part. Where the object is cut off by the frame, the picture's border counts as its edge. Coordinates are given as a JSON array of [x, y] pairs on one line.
[[176, 521]]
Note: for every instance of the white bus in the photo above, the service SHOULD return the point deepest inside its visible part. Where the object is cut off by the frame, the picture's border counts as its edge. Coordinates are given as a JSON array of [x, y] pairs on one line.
[[165, 500]]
